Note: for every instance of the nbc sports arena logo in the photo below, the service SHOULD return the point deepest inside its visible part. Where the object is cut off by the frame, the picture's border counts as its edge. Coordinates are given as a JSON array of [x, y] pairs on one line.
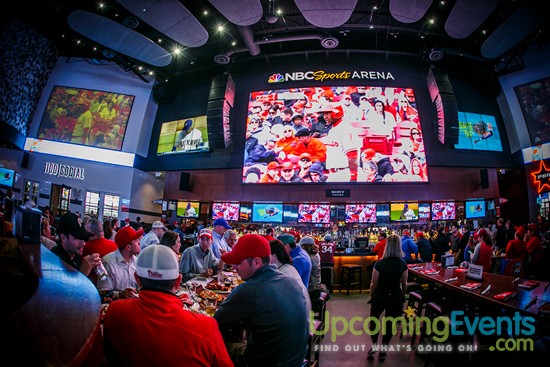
[[321, 75]]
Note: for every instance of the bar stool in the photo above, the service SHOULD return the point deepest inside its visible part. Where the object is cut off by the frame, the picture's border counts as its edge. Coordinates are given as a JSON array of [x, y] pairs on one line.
[[415, 301], [314, 346], [347, 277]]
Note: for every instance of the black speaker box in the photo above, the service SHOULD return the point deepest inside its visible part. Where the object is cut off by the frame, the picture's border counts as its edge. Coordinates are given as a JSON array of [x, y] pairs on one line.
[[184, 181], [25, 160], [484, 175]]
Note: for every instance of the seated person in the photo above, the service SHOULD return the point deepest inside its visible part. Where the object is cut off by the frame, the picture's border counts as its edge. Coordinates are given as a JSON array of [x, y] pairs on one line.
[[199, 259]]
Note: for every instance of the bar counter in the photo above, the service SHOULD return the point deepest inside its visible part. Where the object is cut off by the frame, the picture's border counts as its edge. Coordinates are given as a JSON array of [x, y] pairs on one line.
[[363, 258]]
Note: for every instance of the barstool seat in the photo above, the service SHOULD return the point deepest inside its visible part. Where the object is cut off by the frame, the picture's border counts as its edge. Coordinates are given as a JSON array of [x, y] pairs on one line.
[[416, 301], [347, 277]]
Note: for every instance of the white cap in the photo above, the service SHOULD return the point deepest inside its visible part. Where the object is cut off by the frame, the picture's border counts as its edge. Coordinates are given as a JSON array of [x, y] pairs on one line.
[[158, 224], [158, 263], [306, 240]]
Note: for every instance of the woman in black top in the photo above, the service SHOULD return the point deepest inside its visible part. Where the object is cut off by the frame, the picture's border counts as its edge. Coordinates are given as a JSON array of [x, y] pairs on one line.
[[388, 286]]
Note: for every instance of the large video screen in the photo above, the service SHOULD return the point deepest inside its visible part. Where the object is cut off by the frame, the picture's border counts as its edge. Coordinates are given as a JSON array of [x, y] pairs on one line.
[[7, 177], [290, 213], [474, 209], [226, 210], [478, 132], [188, 209], [534, 99], [424, 210], [245, 213], [314, 213], [86, 117], [188, 135], [360, 213], [382, 213], [267, 212], [404, 212], [334, 134], [443, 210]]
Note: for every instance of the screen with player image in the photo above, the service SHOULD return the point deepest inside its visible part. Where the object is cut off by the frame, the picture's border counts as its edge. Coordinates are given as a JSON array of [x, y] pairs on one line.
[[424, 210], [226, 210], [360, 213], [314, 213], [267, 212], [478, 132], [336, 134], [188, 135], [474, 209], [443, 210], [188, 209], [404, 212]]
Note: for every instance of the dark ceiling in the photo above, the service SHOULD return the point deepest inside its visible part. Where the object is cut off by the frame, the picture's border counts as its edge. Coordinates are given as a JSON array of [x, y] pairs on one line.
[[482, 37]]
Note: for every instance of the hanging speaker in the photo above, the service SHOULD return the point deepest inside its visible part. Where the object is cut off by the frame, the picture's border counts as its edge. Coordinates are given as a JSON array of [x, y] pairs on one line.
[[484, 175], [184, 181], [25, 160]]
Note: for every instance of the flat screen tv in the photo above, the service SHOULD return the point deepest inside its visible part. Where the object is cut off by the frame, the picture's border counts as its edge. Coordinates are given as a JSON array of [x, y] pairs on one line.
[[443, 210], [404, 212], [245, 213], [290, 214], [474, 209], [7, 177], [380, 121], [188, 135], [267, 212], [86, 117], [534, 99], [424, 210], [360, 213], [188, 209], [226, 210], [314, 213], [382, 213], [478, 132]]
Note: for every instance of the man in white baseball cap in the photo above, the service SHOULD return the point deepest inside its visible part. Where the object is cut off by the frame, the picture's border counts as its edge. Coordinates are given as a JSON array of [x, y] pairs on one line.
[[154, 235]]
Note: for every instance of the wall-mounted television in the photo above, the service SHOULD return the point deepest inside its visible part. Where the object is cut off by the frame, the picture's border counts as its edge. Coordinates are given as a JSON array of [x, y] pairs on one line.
[[534, 99], [188, 135], [290, 213], [188, 209], [314, 213], [382, 213], [381, 121], [245, 213], [86, 117], [226, 210], [443, 210], [478, 132], [474, 208], [7, 177], [267, 212], [424, 210], [360, 213], [404, 212]]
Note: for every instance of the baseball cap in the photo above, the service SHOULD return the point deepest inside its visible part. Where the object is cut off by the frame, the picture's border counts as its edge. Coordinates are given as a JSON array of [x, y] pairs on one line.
[[205, 232], [305, 155], [520, 231], [419, 234], [126, 235], [297, 116], [369, 153], [157, 263], [337, 111], [482, 232], [303, 131], [406, 232], [70, 224], [158, 224], [222, 222], [306, 240], [316, 167], [273, 165], [328, 237], [287, 238], [287, 165], [249, 246]]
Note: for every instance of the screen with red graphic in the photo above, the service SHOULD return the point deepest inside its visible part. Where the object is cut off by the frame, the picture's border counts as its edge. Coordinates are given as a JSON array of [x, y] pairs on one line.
[[314, 213]]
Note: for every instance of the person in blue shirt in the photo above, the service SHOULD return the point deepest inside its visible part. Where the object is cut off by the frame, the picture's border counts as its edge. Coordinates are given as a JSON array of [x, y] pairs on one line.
[[300, 258], [409, 247]]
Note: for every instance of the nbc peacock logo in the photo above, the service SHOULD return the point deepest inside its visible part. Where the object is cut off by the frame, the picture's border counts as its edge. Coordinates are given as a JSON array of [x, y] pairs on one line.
[[276, 78]]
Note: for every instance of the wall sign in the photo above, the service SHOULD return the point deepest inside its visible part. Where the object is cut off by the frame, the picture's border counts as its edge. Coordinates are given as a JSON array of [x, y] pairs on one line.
[[321, 75], [541, 178], [62, 170], [338, 193]]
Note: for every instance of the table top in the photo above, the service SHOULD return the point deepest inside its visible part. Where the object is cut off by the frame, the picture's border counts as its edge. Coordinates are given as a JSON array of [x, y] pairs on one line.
[[527, 301]]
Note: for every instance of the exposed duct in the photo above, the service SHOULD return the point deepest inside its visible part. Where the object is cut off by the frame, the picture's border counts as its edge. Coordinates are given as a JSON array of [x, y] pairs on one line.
[[248, 39]]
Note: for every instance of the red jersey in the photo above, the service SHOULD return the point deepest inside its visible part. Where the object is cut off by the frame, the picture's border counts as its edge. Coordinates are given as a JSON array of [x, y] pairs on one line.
[[326, 252]]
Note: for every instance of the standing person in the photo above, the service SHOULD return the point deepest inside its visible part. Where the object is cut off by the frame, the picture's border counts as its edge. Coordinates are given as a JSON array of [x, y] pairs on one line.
[[199, 259], [154, 235], [500, 237], [154, 330], [326, 252], [121, 264], [300, 259], [309, 245], [72, 237], [424, 248], [219, 246], [409, 247], [269, 305], [441, 244], [388, 287], [378, 250], [269, 234]]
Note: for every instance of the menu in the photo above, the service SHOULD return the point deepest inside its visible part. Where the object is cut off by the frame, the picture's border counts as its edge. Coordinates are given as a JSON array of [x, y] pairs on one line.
[[528, 284], [503, 296], [471, 286]]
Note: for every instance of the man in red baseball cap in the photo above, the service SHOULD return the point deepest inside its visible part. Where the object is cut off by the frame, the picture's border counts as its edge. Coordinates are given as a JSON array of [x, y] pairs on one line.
[[270, 304]]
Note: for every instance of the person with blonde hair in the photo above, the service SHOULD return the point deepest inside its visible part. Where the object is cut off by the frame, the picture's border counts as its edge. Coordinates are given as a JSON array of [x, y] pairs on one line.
[[387, 289]]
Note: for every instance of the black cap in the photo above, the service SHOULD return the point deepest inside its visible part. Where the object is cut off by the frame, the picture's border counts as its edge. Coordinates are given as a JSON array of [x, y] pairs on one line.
[[70, 224], [303, 131]]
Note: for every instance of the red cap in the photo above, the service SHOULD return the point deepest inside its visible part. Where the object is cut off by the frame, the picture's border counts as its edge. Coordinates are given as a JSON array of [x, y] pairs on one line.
[[369, 153], [126, 235], [406, 232], [305, 155], [287, 165], [482, 232], [520, 231], [419, 234], [273, 165], [249, 246]]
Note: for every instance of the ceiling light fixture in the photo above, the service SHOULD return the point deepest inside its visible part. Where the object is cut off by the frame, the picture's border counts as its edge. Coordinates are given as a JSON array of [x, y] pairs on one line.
[[271, 17]]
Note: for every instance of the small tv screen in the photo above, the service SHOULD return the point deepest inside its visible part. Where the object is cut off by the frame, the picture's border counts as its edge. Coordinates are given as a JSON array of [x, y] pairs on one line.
[[267, 212], [188, 209], [474, 209], [360, 213], [86, 117], [382, 213], [443, 210], [245, 213], [290, 214], [314, 213], [188, 135], [478, 132], [7, 177], [404, 212], [226, 210], [424, 211]]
